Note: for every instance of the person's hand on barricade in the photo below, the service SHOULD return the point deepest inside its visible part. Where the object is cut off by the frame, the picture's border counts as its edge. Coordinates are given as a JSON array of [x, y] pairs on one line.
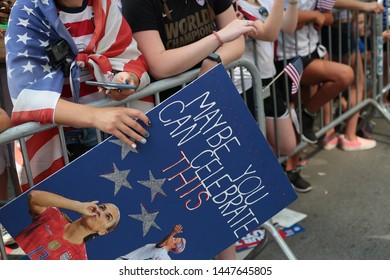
[[229, 33], [362, 6], [118, 121], [121, 122], [235, 29], [373, 7]]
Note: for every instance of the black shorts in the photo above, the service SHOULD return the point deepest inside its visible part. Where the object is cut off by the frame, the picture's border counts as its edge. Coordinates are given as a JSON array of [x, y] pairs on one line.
[[280, 83], [345, 35], [269, 108], [277, 100]]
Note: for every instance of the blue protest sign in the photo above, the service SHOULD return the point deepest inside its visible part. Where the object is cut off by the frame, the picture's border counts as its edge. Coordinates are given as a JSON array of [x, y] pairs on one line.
[[206, 175]]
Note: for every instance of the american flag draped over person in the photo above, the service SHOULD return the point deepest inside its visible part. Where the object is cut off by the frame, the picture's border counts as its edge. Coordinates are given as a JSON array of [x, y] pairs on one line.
[[325, 5], [36, 86], [294, 70]]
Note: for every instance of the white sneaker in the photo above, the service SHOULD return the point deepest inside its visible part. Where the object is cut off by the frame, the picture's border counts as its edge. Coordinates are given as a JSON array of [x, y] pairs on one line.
[[359, 144]]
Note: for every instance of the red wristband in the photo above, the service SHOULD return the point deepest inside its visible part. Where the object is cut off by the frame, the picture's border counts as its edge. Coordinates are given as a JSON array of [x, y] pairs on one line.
[[218, 38]]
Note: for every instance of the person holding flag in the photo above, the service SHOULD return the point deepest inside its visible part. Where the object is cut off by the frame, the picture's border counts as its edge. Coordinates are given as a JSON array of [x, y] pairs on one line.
[[269, 16], [324, 78], [53, 47]]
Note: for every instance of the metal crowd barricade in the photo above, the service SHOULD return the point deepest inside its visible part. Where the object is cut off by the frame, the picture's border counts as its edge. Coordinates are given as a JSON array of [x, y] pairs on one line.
[[378, 91], [369, 104], [18, 133]]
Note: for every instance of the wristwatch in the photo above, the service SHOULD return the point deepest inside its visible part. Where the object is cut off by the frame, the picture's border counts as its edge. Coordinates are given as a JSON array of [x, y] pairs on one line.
[[214, 57]]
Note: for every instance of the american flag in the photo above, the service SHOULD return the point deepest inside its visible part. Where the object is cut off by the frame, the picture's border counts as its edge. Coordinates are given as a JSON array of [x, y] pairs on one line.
[[36, 86], [325, 5], [294, 70]]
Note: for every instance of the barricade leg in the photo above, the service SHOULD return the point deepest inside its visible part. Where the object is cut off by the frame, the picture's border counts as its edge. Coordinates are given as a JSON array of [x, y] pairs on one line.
[[3, 254], [282, 244], [13, 176], [270, 229]]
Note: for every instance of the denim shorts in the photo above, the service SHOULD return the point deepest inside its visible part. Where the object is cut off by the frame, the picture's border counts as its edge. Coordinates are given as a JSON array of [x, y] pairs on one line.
[[82, 136]]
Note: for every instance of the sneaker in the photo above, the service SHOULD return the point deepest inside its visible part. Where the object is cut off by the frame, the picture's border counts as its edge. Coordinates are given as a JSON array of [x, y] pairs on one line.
[[329, 143], [307, 127], [7, 238], [360, 144], [299, 184]]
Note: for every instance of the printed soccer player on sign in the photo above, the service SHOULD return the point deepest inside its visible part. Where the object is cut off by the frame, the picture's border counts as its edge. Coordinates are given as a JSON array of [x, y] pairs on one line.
[[53, 236], [159, 251]]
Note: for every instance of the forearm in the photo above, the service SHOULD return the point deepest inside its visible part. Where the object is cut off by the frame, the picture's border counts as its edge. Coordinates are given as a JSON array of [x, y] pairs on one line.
[[176, 61], [349, 4], [42, 200], [163, 242], [290, 18], [231, 51], [228, 53], [269, 30], [306, 16], [73, 114], [370, 6]]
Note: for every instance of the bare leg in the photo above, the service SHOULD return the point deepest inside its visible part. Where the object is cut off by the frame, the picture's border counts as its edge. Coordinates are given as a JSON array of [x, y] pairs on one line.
[[286, 135], [327, 118], [334, 78], [356, 96], [292, 162]]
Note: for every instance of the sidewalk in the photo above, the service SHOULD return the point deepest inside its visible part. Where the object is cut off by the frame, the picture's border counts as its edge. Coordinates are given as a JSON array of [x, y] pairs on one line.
[[348, 208]]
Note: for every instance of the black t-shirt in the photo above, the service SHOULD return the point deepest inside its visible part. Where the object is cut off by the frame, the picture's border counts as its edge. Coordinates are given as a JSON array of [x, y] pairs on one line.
[[190, 19], [190, 22]]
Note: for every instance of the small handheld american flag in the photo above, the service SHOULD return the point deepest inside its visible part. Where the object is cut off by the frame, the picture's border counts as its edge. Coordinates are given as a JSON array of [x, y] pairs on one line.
[[325, 5], [294, 70]]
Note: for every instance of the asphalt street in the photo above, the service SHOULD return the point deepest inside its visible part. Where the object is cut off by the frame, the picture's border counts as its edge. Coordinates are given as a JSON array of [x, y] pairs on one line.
[[348, 208]]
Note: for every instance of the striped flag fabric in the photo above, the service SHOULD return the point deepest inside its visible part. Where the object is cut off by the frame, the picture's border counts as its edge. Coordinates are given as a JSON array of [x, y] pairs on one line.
[[325, 5], [35, 85], [294, 70]]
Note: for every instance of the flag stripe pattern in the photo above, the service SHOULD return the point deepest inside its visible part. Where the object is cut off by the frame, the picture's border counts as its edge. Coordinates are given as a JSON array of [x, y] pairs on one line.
[[325, 5], [35, 85], [294, 70]]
